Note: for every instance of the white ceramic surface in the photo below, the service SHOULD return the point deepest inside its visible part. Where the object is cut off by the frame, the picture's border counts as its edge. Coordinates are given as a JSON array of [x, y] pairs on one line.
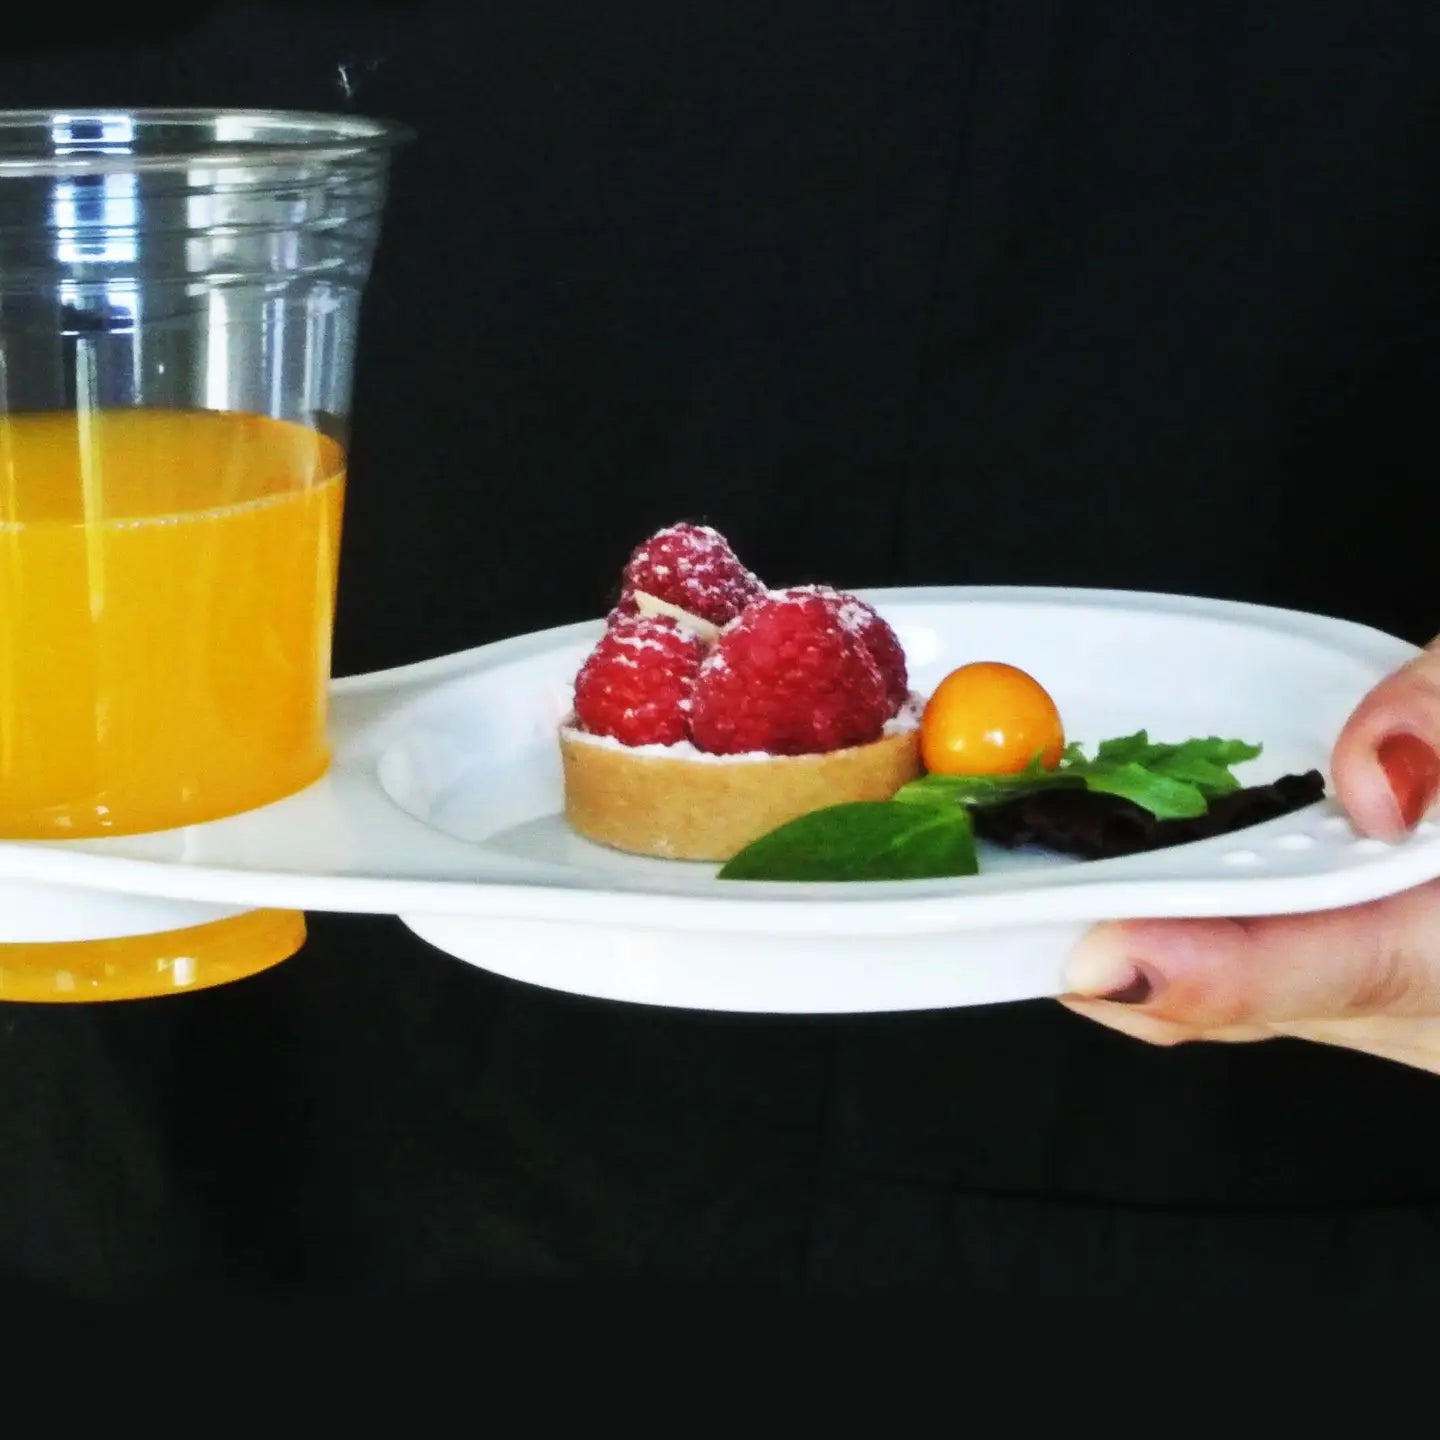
[[442, 807]]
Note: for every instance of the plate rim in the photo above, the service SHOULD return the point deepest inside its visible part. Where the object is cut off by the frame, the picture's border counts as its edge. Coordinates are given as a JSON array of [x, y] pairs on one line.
[[373, 702], [1364, 639]]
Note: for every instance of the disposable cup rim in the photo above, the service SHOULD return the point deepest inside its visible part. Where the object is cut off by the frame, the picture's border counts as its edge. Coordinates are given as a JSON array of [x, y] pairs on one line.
[[308, 136]]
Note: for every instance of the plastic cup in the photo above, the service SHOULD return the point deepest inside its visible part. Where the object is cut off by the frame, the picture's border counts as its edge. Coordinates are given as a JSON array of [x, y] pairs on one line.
[[180, 294]]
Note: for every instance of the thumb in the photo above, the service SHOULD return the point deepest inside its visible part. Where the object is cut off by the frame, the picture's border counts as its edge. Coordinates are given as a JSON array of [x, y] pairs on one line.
[[1386, 760], [1380, 958]]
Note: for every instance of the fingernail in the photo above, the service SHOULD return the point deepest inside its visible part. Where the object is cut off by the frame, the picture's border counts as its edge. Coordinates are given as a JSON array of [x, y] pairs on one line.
[[1137, 992], [1097, 972], [1413, 770]]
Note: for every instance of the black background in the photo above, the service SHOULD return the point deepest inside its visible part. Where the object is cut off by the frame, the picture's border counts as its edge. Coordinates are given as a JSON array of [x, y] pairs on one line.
[[1043, 291]]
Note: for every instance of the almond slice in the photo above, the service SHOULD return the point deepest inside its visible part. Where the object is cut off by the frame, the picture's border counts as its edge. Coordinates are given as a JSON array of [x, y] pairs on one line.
[[652, 605]]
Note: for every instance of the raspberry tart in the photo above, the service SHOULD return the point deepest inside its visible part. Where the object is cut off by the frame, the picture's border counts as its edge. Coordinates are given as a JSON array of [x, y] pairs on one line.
[[713, 709]]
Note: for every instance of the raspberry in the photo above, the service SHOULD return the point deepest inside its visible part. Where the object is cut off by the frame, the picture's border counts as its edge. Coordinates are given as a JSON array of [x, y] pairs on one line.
[[787, 678], [691, 566], [635, 684], [874, 632]]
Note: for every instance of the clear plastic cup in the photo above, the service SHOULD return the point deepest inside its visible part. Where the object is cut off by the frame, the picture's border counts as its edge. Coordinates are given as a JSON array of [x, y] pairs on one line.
[[180, 293]]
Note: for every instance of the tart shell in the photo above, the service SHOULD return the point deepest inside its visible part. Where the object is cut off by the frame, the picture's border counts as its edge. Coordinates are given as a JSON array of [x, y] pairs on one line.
[[688, 806]]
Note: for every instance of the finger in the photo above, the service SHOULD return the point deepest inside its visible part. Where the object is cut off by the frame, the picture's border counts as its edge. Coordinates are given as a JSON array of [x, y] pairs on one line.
[[1381, 958], [1153, 1031], [1411, 1042], [1386, 760], [1408, 1042]]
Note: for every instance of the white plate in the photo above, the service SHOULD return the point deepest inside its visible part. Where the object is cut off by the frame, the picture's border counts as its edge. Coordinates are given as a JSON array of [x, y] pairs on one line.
[[442, 807]]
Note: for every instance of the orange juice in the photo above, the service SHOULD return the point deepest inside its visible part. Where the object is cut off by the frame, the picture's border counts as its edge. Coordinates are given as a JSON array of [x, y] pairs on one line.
[[135, 967], [167, 595]]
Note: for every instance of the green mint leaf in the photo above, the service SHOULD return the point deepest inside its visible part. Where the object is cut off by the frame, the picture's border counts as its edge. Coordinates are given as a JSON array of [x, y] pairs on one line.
[[1163, 797], [1227, 752], [1204, 763], [982, 789], [1123, 749], [1171, 781], [1204, 775], [1211, 751], [862, 840]]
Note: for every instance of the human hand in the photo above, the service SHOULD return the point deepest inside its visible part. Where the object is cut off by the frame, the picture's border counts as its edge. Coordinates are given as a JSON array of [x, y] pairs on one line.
[[1366, 977]]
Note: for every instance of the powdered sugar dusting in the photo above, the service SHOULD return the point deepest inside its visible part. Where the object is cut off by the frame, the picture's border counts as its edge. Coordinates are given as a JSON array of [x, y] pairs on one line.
[[639, 642], [797, 594], [635, 682], [681, 750], [854, 616], [907, 717], [906, 721], [640, 695], [693, 568]]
